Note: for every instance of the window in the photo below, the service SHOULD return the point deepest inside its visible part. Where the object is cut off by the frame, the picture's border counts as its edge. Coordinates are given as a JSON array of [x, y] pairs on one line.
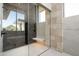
[[42, 16]]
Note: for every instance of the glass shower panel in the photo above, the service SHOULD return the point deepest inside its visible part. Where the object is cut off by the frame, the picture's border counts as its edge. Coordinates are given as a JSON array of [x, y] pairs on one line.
[[20, 20], [48, 28], [15, 17], [39, 29], [22, 28], [32, 29], [27, 26], [20, 41], [9, 27]]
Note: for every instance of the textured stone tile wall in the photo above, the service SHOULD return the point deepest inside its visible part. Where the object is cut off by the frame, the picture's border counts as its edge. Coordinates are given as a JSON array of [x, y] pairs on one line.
[[56, 26], [47, 32]]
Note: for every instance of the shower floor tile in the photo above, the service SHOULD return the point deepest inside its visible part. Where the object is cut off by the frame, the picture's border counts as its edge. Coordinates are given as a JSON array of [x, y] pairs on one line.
[[33, 50]]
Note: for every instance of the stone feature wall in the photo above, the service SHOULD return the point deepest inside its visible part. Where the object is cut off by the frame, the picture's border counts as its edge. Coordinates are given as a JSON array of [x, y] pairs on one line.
[[47, 28], [56, 26]]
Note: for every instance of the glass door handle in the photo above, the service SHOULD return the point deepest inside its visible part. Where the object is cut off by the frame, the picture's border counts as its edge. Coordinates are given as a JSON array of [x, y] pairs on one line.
[[3, 33]]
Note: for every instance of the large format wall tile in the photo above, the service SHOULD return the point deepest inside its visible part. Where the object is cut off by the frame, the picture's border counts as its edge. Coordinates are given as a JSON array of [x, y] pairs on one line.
[[56, 26]]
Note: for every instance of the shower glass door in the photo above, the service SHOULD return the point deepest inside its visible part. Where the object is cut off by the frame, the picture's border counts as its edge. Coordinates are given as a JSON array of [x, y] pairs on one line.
[[26, 26], [13, 26], [39, 29], [9, 27]]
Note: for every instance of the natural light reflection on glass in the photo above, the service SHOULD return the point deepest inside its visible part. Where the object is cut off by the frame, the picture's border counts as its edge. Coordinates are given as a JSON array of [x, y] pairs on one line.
[[20, 21], [9, 23]]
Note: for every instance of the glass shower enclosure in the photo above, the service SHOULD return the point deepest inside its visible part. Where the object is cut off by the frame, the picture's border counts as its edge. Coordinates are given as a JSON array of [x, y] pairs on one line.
[[26, 25]]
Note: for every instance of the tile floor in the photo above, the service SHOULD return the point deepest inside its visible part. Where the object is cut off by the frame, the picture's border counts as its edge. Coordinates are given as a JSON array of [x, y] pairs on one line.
[[52, 52], [23, 51], [33, 50]]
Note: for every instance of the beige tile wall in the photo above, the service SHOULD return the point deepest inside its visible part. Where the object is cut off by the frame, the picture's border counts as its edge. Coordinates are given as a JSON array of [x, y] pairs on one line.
[[56, 26], [47, 30]]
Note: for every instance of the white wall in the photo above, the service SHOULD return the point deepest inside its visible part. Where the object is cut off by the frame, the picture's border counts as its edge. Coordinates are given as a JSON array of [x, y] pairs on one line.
[[1, 16], [71, 35]]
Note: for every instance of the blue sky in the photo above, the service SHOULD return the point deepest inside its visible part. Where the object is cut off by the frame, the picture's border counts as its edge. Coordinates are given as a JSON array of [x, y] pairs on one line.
[[11, 19]]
